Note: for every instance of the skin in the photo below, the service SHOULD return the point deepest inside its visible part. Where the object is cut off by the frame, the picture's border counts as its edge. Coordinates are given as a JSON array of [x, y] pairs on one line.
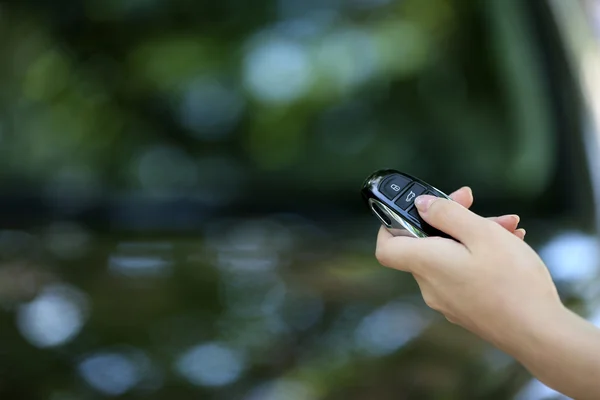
[[464, 197], [490, 282]]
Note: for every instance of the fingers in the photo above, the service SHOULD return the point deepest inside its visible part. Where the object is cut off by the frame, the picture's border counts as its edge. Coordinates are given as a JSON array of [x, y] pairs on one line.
[[413, 254], [410, 254], [520, 233], [463, 196], [508, 222], [453, 219]]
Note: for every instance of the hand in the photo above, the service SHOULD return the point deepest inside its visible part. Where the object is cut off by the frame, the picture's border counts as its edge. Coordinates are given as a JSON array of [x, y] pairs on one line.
[[464, 197], [488, 281]]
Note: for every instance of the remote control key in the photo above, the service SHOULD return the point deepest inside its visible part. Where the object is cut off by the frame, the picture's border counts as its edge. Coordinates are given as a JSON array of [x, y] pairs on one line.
[[385, 186]]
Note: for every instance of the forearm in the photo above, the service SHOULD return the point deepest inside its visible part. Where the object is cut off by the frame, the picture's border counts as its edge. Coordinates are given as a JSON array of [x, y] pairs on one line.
[[563, 352]]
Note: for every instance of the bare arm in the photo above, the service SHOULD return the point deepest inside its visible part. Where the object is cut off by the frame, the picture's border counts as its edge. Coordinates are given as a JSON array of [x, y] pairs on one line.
[[561, 350], [493, 284]]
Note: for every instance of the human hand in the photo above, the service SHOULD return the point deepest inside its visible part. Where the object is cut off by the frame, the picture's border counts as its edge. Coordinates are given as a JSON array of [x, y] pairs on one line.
[[487, 281], [464, 197]]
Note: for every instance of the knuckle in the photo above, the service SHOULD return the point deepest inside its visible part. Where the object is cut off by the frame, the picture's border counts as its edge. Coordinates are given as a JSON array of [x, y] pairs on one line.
[[490, 227], [431, 302]]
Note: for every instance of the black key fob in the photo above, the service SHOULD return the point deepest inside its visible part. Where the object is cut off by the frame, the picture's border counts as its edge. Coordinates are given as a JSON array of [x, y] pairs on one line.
[[390, 195]]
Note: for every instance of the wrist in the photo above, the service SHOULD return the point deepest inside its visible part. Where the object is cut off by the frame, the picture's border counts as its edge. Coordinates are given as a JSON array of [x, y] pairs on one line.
[[531, 335], [560, 349]]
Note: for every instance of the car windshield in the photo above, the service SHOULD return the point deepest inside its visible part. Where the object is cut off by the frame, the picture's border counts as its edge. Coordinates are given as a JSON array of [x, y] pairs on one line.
[[180, 184]]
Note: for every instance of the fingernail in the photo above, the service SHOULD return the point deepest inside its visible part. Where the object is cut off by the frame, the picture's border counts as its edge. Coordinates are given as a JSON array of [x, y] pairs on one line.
[[521, 233], [516, 218], [424, 202]]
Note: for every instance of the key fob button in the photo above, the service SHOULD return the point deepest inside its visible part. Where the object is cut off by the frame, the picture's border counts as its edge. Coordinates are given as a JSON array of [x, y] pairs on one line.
[[413, 212], [408, 197], [429, 230], [393, 186]]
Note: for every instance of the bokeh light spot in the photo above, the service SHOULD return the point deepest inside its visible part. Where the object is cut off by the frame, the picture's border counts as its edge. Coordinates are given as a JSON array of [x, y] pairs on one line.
[[283, 389], [389, 328], [572, 256], [211, 364], [164, 170], [347, 58], [67, 239], [141, 259], [277, 70], [536, 390], [210, 109], [110, 373], [54, 317]]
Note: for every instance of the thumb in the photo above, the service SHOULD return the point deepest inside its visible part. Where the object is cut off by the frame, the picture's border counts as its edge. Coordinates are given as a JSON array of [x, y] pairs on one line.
[[452, 218]]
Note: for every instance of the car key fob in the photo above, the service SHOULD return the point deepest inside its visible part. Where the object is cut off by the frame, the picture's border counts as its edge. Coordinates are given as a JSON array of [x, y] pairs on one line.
[[390, 195]]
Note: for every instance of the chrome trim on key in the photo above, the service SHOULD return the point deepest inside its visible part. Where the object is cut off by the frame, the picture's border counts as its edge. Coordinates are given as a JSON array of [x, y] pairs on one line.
[[398, 226]]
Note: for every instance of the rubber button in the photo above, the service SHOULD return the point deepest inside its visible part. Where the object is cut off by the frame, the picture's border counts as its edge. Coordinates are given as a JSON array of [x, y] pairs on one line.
[[393, 186], [415, 214], [408, 197]]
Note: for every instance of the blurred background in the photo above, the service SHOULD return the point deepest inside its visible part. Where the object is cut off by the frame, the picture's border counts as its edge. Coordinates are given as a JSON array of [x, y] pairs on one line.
[[180, 212]]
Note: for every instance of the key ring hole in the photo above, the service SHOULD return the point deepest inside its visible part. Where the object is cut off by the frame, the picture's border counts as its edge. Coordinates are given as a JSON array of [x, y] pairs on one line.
[[381, 214]]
